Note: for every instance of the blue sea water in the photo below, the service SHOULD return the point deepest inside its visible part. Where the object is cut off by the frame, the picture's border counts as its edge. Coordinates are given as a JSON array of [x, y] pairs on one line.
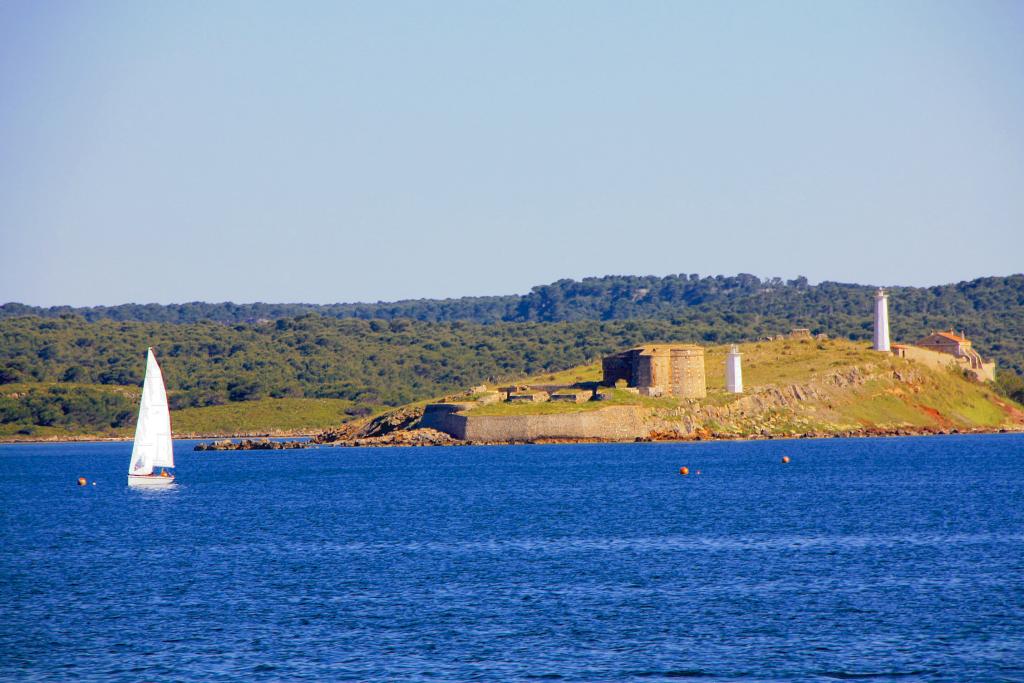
[[874, 559]]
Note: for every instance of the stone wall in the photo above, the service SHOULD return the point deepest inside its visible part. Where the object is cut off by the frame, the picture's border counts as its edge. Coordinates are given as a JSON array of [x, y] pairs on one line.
[[528, 397], [984, 372], [617, 366], [643, 372], [653, 368], [933, 359], [572, 395], [688, 379], [614, 423], [443, 418]]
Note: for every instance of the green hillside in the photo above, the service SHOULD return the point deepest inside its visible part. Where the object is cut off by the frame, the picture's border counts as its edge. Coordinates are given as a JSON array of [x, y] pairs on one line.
[[76, 368], [806, 386], [268, 415], [984, 306], [849, 386], [61, 410]]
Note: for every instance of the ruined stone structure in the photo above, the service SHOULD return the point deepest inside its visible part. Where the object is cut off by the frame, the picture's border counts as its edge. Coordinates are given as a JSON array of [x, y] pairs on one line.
[[659, 370], [572, 395], [528, 396]]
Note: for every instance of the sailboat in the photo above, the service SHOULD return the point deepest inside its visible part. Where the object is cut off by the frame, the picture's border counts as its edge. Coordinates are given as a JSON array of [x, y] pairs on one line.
[[153, 448]]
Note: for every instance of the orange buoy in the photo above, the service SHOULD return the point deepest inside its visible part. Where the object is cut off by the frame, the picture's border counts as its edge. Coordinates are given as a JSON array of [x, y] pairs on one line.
[[684, 471], [82, 481], [785, 459]]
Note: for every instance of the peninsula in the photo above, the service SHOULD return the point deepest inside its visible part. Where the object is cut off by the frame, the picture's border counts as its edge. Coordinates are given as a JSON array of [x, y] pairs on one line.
[[794, 386]]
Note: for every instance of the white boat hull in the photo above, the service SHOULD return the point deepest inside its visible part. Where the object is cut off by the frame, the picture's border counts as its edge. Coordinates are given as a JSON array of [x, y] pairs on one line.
[[149, 480]]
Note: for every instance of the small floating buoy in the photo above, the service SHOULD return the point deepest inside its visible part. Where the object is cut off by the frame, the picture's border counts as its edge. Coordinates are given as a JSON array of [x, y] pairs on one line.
[[698, 471], [785, 459], [94, 483], [82, 481], [684, 471]]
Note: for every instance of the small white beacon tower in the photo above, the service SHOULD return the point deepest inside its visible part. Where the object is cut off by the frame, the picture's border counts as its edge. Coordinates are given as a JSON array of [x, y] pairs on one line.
[[733, 371], [881, 320]]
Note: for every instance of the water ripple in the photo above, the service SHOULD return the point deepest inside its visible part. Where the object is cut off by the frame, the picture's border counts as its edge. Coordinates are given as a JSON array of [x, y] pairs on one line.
[[869, 559]]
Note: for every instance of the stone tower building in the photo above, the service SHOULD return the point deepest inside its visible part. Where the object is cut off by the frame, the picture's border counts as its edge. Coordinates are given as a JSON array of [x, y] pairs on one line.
[[659, 370]]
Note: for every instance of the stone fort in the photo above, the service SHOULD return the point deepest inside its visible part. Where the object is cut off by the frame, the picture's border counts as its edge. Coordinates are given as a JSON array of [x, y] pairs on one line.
[[659, 370]]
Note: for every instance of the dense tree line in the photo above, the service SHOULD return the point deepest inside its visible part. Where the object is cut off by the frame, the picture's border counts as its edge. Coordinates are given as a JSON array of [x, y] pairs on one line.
[[70, 407], [210, 356], [990, 310], [392, 362], [474, 309], [1011, 385], [611, 298]]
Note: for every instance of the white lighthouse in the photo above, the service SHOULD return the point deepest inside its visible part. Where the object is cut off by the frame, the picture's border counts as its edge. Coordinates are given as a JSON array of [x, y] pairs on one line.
[[881, 320], [733, 371]]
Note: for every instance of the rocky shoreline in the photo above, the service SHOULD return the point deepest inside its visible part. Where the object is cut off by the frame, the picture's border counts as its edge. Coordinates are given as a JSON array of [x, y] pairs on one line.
[[251, 445], [405, 427], [431, 437], [99, 438], [872, 432]]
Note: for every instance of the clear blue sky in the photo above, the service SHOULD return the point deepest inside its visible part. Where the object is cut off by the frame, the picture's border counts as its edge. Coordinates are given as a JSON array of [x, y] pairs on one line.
[[330, 151]]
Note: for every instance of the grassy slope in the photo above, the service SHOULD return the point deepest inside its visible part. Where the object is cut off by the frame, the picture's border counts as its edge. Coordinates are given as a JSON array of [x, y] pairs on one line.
[[132, 393], [266, 415], [934, 398], [15, 432], [291, 415]]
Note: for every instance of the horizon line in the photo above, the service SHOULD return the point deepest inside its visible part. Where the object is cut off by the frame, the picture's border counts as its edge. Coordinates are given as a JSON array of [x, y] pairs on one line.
[[380, 302]]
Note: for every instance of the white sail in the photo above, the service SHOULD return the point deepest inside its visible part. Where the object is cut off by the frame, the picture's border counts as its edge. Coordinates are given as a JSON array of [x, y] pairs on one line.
[[153, 447]]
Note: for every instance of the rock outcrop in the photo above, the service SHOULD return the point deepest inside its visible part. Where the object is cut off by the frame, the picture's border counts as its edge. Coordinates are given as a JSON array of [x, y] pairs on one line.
[[396, 420], [409, 437], [251, 445], [399, 427]]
